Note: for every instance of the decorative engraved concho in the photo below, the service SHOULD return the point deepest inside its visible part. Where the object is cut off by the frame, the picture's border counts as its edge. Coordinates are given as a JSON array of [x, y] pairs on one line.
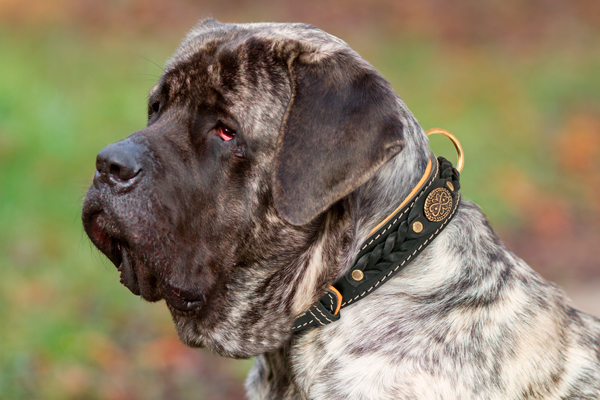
[[438, 204]]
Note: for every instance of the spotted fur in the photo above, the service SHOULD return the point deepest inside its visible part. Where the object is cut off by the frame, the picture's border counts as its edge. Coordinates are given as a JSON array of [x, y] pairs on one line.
[[254, 229]]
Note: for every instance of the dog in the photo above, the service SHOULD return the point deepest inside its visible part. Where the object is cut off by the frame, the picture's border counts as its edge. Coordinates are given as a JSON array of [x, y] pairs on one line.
[[271, 152]]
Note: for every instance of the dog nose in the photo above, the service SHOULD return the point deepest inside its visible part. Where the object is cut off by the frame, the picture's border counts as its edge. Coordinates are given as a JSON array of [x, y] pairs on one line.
[[119, 163]]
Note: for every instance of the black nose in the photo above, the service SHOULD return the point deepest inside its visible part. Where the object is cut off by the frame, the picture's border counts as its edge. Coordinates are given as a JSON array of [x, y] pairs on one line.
[[119, 163]]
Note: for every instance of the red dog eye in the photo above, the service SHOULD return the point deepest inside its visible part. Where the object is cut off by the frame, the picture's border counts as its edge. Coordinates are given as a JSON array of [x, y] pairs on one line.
[[225, 133]]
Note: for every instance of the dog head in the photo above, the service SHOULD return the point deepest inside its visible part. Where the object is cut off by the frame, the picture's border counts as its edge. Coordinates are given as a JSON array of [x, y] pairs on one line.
[[228, 204]]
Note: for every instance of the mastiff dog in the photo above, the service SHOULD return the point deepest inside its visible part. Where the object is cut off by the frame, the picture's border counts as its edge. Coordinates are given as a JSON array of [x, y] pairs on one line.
[[285, 204]]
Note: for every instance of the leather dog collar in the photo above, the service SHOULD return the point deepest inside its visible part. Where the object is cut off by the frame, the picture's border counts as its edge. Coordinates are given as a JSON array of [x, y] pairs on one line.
[[392, 244]]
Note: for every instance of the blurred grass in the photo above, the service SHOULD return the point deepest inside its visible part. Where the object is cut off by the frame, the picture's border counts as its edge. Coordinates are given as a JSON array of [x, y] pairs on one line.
[[70, 331]]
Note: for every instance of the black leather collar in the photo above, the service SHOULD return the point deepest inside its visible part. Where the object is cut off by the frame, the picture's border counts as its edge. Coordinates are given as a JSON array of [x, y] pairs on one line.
[[393, 244]]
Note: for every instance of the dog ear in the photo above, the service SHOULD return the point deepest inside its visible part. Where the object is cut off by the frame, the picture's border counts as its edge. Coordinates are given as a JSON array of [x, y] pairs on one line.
[[342, 124]]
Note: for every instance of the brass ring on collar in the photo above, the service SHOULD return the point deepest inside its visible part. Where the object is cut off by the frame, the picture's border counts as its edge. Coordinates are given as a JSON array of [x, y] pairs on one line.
[[459, 151]]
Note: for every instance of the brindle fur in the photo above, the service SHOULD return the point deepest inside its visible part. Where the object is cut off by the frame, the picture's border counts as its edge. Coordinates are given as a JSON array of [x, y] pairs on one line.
[[258, 227]]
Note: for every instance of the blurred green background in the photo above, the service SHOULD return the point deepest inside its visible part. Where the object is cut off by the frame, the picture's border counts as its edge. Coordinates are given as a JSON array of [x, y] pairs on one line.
[[517, 81]]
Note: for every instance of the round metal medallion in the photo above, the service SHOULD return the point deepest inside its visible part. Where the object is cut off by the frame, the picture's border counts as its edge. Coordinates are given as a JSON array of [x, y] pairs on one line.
[[438, 204]]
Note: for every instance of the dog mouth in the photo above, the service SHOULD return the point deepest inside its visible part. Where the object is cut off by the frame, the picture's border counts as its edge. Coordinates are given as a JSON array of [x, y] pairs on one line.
[[108, 238], [105, 236]]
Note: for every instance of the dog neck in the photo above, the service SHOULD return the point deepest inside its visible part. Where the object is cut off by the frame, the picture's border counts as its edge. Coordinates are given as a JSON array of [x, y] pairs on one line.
[[364, 209]]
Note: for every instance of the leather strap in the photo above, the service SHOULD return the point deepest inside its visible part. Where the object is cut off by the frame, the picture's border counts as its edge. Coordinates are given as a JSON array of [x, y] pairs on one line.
[[393, 244]]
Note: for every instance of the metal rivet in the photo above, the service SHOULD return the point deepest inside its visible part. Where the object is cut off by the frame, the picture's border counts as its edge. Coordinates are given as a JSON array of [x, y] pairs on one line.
[[417, 227], [450, 185], [357, 275]]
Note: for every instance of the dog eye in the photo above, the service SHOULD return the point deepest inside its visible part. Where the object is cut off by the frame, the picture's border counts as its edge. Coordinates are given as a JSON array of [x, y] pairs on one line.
[[225, 133], [153, 108]]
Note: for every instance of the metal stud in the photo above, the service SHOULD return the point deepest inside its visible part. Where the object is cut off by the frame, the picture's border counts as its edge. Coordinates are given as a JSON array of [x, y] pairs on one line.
[[357, 275], [450, 185], [417, 226]]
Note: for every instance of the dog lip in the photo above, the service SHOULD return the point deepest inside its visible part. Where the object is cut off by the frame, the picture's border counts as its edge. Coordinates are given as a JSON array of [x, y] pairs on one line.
[[128, 277], [181, 301], [98, 226], [120, 246], [105, 241]]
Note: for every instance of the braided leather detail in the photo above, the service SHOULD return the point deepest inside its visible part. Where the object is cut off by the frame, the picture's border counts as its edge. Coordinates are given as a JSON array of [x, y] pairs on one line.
[[404, 261], [399, 240]]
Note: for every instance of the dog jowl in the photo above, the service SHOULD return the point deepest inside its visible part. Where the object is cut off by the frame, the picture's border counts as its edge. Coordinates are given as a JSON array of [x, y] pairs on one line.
[[271, 152]]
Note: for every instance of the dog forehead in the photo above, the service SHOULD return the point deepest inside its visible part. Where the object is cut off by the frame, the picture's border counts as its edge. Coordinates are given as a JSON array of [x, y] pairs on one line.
[[209, 36]]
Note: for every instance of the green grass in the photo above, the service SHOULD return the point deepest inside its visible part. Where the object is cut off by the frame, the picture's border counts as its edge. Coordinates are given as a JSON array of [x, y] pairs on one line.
[[69, 330]]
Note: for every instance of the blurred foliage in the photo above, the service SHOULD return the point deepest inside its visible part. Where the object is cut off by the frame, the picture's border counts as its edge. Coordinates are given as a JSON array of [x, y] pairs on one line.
[[516, 81]]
